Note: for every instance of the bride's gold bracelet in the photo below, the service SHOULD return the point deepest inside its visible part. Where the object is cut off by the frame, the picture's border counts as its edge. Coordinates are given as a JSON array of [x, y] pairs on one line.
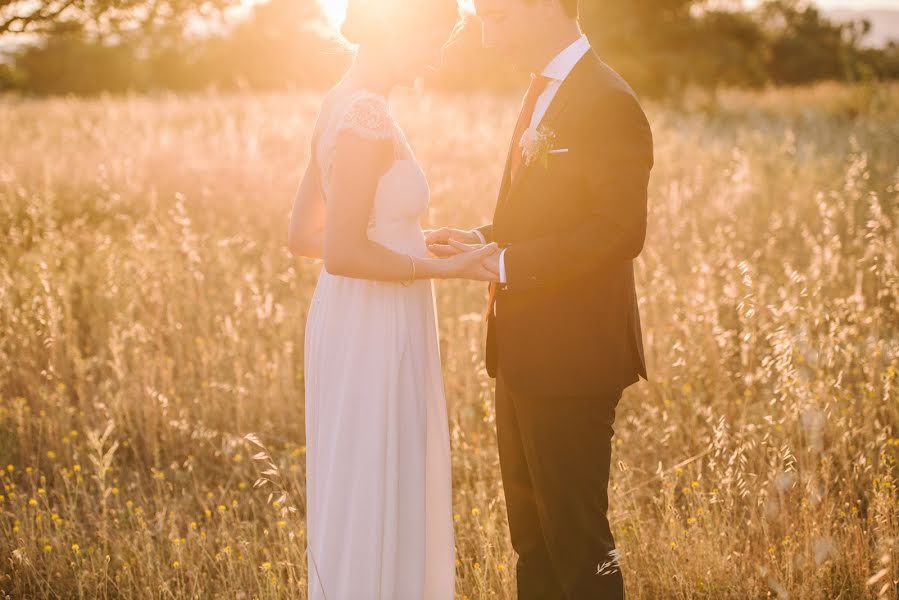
[[412, 280]]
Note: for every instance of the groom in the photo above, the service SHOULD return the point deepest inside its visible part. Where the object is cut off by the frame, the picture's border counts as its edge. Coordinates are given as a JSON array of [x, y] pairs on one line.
[[563, 333]]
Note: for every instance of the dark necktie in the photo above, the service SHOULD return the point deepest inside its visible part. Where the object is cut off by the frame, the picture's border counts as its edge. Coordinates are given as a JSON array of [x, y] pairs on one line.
[[537, 87]]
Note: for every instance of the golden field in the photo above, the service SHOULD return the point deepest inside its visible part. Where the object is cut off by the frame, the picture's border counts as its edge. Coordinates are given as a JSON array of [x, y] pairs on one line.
[[151, 318]]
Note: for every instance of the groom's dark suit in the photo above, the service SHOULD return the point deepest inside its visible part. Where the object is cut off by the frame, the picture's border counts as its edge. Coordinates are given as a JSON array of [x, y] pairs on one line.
[[565, 339]]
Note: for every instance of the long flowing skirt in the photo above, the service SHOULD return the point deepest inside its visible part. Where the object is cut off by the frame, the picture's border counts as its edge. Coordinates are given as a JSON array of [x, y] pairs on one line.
[[378, 481]]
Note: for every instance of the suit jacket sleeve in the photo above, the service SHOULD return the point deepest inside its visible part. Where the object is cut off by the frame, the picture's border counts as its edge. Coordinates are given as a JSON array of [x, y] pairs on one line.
[[617, 159], [487, 232]]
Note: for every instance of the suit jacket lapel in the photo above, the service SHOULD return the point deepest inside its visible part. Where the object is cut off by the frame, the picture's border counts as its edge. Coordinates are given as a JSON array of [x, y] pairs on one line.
[[563, 96], [507, 173]]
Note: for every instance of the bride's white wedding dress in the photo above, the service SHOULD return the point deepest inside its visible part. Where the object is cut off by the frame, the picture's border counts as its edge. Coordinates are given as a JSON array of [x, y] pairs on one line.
[[379, 506]]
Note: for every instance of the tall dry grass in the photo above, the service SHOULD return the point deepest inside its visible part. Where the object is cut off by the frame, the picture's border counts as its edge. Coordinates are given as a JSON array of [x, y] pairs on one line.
[[151, 318]]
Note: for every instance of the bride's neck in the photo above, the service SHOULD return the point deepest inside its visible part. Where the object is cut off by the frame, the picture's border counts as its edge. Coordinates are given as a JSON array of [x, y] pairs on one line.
[[368, 72]]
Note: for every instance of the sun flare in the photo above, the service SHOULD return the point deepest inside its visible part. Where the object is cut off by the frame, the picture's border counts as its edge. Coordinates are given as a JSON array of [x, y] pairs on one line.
[[335, 11]]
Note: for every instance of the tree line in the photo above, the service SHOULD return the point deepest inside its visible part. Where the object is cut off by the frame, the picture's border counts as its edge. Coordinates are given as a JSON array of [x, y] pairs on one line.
[[660, 46]]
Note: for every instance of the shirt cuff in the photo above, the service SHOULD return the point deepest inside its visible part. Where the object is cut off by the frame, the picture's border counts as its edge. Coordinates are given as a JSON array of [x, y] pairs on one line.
[[480, 236], [502, 266]]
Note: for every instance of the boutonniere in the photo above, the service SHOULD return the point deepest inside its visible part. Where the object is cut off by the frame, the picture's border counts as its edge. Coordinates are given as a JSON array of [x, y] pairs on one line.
[[535, 143]]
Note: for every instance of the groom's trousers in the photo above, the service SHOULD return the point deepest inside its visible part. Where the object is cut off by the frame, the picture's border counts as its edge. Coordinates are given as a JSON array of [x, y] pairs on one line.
[[555, 455]]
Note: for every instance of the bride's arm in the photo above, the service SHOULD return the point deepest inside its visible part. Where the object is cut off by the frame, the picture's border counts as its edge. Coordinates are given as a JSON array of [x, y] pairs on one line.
[[358, 165], [305, 234]]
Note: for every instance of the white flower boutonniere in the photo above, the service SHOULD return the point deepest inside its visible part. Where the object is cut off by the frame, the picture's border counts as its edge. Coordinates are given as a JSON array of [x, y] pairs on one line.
[[535, 143]]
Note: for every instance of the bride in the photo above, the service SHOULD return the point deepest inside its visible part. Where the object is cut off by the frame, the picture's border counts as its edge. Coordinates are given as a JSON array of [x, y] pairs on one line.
[[378, 459]]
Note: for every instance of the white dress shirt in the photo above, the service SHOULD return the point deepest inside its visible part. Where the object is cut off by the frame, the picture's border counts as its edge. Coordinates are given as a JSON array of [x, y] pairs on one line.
[[557, 70]]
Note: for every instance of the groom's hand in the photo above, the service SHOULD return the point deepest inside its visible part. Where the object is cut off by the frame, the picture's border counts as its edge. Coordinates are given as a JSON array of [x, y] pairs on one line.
[[439, 240], [491, 263], [468, 264]]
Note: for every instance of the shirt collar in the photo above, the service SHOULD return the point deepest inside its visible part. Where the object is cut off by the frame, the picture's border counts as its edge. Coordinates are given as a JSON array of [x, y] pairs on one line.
[[560, 66]]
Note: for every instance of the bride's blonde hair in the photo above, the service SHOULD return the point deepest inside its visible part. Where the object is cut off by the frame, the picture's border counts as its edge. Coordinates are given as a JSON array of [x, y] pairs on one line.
[[384, 24]]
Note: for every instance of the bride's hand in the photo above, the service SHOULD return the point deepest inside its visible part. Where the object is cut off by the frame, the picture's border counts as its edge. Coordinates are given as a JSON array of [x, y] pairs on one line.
[[469, 262], [440, 241]]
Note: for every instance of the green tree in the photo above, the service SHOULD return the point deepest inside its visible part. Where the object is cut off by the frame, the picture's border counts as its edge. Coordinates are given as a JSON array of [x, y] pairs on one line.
[[103, 16], [67, 61], [649, 41], [281, 44], [660, 46], [805, 46]]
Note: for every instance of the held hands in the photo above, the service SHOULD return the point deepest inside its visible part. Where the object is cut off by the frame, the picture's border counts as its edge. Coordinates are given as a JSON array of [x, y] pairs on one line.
[[438, 241], [489, 262], [472, 262], [462, 254]]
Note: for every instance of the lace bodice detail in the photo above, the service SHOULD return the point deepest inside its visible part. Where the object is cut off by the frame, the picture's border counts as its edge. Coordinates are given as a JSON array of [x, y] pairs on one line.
[[365, 114], [368, 116], [402, 192]]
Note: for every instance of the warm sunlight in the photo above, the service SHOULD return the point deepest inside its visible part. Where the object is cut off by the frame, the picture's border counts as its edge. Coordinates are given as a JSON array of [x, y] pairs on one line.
[[392, 299], [335, 11]]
